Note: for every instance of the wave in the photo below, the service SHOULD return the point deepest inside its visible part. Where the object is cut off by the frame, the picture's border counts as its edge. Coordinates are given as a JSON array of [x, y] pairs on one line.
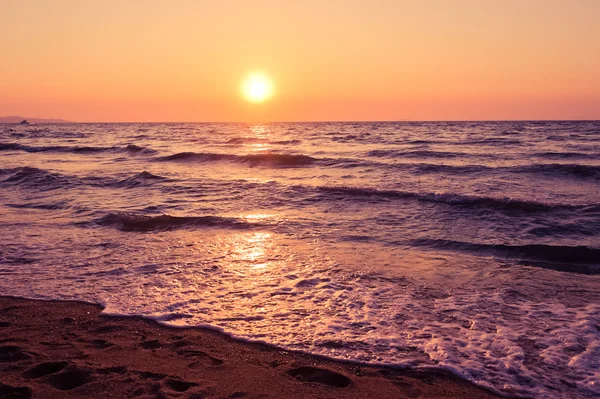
[[46, 180], [136, 149], [490, 140], [130, 148], [453, 199], [288, 142], [289, 160], [245, 140], [254, 140], [144, 223], [574, 170], [577, 259], [52, 206], [9, 146], [417, 154], [554, 169], [424, 168], [566, 155], [424, 141], [586, 227], [36, 178], [141, 179]]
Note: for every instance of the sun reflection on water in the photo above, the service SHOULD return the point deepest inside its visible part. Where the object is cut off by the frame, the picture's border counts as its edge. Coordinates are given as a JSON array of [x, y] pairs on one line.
[[259, 216], [261, 131], [253, 251]]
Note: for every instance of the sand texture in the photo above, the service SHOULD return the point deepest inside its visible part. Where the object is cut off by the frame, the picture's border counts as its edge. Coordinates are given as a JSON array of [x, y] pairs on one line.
[[69, 350]]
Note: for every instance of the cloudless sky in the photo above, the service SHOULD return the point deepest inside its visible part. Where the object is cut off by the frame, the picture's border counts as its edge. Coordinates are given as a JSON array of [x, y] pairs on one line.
[[183, 60]]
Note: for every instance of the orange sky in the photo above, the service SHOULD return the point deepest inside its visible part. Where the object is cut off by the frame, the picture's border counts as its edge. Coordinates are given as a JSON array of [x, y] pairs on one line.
[[158, 60]]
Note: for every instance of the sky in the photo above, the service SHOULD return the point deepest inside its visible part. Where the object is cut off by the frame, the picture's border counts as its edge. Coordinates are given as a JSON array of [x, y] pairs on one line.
[[185, 60]]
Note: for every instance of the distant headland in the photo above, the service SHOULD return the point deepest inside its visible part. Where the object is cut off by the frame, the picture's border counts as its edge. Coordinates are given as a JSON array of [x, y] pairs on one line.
[[18, 119]]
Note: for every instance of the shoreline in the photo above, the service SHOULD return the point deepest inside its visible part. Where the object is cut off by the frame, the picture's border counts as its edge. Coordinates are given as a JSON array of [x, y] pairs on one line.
[[68, 349]]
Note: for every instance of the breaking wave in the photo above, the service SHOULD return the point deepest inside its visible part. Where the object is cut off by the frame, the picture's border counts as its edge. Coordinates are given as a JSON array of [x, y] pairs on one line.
[[289, 160], [143, 223], [576, 259], [36, 178], [452, 199], [255, 140], [130, 148]]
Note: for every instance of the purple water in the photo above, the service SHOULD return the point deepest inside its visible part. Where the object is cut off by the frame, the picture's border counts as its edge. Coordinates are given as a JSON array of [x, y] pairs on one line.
[[468, 246]]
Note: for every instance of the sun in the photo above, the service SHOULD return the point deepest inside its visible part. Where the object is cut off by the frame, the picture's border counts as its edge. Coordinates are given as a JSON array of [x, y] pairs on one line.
[[257, 87]]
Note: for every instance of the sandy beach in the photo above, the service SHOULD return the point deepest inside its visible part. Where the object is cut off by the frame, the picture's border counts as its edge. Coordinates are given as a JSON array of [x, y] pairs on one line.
[[69, 350]]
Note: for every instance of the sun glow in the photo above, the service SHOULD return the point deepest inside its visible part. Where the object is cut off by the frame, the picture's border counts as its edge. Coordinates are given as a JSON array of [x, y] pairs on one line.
[[257, 87]]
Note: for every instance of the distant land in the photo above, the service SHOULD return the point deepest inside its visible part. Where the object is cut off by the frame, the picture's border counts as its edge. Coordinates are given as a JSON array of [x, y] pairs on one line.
[[17, 119]]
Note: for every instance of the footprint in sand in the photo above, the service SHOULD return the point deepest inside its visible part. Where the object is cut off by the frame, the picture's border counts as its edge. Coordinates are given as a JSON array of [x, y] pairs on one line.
[[179, 385], [321, 376], [71, 377], [148, 375], [8, 391], [12, 353], [406, 387], [154, 344], [158, 381], [100, 343], [44, 369], [202, 359]]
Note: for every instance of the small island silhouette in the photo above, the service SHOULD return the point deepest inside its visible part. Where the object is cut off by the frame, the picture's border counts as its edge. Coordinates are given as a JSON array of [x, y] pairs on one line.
[[19, 119]]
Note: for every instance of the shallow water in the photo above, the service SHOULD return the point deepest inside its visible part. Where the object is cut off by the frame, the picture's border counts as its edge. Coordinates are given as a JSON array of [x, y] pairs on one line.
[[468, 246]]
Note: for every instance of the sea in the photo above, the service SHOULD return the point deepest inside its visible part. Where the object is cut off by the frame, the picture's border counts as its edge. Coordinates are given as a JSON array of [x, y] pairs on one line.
[[471, 247]]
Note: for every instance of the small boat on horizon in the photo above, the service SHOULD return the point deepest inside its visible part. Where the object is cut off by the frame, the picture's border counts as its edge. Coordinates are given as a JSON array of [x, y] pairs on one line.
[[24, 122]]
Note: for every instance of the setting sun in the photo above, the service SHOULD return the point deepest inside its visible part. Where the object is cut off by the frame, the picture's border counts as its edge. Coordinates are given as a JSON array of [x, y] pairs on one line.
[[257, 87]]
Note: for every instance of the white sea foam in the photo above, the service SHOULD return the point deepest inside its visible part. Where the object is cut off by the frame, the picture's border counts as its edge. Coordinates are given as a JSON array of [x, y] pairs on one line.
[[262, 290]]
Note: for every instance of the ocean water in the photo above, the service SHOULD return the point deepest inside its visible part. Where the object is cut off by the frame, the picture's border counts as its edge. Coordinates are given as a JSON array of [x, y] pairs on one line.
[[472, 247]]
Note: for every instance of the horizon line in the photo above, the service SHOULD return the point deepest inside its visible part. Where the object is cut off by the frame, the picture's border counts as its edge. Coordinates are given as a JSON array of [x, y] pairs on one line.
[[65, 121]]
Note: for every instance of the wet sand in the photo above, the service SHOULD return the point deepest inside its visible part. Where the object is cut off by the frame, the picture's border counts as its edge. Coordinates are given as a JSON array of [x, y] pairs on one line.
[[68, 350]]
